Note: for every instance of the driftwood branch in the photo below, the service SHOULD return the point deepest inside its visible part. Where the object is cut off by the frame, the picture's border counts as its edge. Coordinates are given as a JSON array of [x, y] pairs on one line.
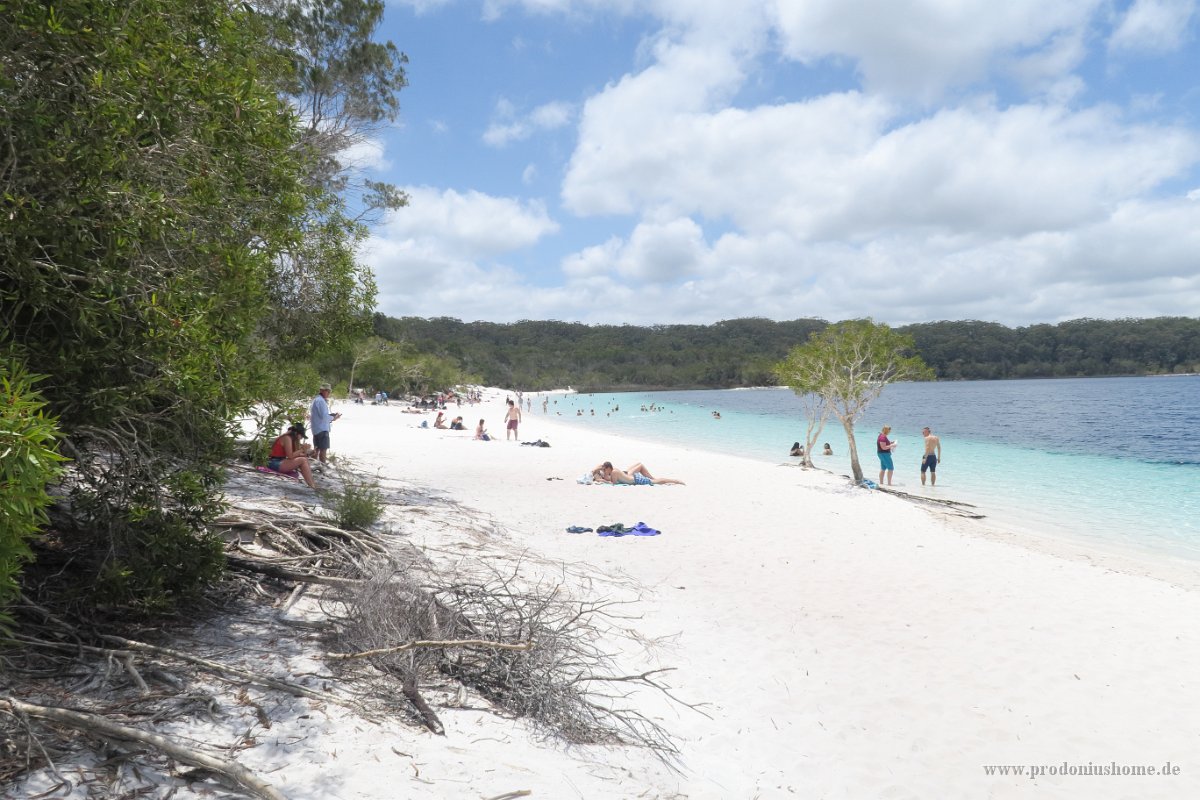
[[99, 725], [413, 693], [283, 573], [400, 648], [294, 689]]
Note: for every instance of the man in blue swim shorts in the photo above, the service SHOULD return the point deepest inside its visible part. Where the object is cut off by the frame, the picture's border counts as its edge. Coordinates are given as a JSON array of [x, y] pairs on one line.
[[933, 454]]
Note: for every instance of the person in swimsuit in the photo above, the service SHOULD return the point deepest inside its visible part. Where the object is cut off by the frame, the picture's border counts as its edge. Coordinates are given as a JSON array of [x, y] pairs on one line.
[[511, 418], [933, 454], [636, 475], [883, 448], [288, 454], [440, 422]]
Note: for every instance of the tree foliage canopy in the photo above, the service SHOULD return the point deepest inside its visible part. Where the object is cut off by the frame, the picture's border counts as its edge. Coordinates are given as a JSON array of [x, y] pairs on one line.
[[154, 186], [847, 365]]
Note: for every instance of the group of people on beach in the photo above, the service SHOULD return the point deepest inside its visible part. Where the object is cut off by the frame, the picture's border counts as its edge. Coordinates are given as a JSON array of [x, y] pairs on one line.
[[884, 447], [290, 454], [512, 419], [456, 424]]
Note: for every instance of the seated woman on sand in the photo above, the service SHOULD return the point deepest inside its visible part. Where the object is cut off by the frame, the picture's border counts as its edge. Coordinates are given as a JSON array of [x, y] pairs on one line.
[[481, 433], [288, 454], [637, 475], [457, 425], [440, 422]]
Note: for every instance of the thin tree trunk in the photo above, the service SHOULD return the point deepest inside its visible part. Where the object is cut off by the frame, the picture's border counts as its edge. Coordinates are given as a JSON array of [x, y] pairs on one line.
[[855, 467], [810, 440]]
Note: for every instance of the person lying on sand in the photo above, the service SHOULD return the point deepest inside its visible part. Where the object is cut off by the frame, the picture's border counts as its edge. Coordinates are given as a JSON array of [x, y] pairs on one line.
[[636, 474]]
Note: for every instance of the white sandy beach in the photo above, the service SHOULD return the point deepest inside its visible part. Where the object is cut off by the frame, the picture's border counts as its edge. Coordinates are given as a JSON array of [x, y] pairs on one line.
[[850, 644], [846, 643]]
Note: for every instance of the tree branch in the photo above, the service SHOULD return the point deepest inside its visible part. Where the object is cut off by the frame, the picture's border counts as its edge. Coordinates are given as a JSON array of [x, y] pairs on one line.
[[95, 724]]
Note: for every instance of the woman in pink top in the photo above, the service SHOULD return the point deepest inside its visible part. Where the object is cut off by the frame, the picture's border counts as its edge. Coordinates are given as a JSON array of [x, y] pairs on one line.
[[883, 448]]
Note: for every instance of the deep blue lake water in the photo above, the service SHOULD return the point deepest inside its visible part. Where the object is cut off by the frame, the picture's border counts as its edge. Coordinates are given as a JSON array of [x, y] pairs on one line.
[[1113, 461]]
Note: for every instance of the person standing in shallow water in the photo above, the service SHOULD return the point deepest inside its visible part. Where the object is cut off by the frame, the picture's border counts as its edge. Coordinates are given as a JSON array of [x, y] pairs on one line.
[[511, 419], [883, 448], [933, 454]]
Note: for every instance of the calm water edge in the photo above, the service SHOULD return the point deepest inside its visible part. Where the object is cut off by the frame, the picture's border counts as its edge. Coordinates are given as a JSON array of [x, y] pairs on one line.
[[1112, 461]]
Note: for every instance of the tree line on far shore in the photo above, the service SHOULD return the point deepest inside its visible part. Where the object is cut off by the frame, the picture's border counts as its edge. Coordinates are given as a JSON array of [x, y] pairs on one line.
[[537, 355]]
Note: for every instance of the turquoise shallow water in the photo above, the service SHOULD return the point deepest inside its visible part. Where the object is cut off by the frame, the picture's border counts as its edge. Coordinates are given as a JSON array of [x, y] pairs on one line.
[[1110, 461]]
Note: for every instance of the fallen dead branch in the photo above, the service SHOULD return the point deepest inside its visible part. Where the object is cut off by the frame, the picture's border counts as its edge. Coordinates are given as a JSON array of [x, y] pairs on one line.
[[384, 651], [533, 650], [98, 725], [263, 567], [399, 624]]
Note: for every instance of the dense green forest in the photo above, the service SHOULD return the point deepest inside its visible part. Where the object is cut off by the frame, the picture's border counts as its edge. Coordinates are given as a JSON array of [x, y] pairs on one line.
[[174, 216], [541, 355]]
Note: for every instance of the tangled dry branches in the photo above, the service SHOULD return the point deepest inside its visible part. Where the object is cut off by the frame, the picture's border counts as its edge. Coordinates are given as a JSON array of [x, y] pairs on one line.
[[396, 623]]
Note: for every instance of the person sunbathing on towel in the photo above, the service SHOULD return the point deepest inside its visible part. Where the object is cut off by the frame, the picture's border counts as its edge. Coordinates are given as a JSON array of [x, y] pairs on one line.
[[637, 475], [288, 454]]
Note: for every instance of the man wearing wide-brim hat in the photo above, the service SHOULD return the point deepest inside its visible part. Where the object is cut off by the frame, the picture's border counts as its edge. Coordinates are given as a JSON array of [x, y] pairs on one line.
[[322, 421]]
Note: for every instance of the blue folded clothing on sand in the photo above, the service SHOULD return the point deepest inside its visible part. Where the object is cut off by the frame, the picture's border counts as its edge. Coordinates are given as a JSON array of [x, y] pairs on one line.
[[578, 529], [641, 529]]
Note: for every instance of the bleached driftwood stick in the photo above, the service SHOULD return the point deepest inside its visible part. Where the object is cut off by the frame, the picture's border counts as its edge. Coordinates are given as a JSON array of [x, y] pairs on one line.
[[96, 724]]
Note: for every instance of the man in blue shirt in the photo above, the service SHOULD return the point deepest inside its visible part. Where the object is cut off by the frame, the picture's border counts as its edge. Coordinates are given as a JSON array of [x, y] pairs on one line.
[[321, 421]]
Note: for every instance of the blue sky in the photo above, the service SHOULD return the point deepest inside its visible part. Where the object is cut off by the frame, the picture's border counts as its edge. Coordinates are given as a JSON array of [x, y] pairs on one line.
[[662, 161]]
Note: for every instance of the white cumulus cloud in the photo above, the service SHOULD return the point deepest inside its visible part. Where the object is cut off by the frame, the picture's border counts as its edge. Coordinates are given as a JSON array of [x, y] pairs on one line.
[[1154, 26], [510, 127]]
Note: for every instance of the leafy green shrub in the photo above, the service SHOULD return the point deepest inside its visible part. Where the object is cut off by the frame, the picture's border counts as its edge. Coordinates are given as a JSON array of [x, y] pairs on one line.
[[357, 506], [163, 235], [29, 461], [172, 562]]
